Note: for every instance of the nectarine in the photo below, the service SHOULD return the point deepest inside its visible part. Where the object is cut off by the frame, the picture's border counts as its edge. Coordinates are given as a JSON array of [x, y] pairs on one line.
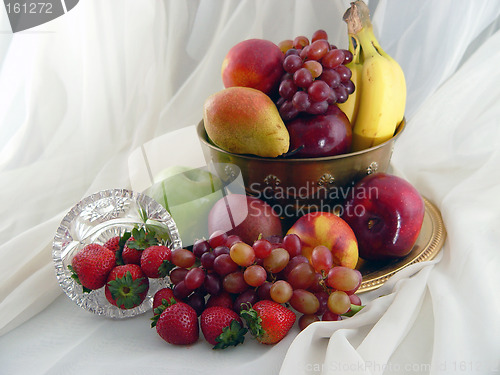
[[327, 229], [255, 63]]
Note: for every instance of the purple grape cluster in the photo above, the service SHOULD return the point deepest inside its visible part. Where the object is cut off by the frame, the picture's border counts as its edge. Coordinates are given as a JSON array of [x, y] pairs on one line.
[[316, 76]]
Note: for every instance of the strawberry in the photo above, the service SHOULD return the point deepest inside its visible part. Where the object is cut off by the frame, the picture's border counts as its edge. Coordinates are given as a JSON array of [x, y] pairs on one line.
[[155, 261], [222, 299], [222, 327], [163, 294], [178, 324], [127, 286], [116, 245], [139, 240], [113, 244], [131, 255], [91, 266], [161, 300], [268, 321]]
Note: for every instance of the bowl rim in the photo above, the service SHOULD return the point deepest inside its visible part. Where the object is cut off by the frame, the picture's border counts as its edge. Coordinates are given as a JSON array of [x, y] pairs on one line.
[[203, 136]]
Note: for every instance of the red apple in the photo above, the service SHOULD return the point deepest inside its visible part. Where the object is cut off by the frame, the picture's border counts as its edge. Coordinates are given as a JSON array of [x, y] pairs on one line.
[[327, 229], [320, 135], [244, 216], [255, 63], [386, 213]]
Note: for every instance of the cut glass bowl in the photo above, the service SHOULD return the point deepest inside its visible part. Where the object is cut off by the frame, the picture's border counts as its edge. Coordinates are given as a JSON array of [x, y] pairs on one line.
[[97, 218]]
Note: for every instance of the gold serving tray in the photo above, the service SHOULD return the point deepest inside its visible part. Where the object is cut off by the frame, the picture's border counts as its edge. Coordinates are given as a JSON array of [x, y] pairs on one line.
[[429, 243]]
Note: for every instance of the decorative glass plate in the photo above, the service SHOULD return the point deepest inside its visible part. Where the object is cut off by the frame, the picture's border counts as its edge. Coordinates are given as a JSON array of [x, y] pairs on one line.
[[97, 218], [429, 243]]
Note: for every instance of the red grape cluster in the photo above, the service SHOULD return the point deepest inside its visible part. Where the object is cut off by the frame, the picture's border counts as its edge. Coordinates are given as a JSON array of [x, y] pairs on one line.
[[316, 76], [225, 270]]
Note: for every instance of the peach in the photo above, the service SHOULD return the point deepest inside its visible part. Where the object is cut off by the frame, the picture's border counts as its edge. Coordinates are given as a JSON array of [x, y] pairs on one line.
[[254, 63], [327, 229]]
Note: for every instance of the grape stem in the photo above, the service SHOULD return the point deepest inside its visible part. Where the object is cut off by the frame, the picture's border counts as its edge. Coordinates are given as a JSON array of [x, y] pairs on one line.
[[353, 310]]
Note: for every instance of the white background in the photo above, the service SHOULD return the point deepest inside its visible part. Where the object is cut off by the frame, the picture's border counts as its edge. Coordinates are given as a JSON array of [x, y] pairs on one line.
[[78, 95]]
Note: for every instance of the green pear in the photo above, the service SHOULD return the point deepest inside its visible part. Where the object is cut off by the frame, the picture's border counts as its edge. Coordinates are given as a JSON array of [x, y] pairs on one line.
[[244, 120]]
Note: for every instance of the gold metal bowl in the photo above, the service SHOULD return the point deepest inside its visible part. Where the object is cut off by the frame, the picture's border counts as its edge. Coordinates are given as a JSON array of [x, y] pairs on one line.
[[296, 186]]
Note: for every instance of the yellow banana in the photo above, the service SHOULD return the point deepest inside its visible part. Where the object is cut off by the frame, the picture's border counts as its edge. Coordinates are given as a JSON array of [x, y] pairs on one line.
[[350, 107], [381, 95]]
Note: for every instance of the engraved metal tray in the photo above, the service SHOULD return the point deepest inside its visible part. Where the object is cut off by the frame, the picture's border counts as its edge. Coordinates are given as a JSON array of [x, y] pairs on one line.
[[429, 243]]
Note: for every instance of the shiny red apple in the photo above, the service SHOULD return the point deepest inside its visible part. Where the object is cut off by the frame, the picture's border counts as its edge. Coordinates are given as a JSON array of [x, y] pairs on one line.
[[320, 135], [386, 214]]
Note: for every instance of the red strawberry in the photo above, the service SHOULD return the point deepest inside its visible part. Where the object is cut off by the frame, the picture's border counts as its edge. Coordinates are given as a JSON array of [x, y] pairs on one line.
[[140, 240], [91, 266], [155, 261], [113, 243], [127, 286], [163, 294], [222, 299], [178, 324], [222, 327], [130, 255], [161, 300], [116, 244], [268, 321]]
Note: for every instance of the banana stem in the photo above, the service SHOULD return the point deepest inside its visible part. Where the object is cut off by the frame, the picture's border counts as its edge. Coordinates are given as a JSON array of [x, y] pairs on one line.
[[357, 17], [360, 29]]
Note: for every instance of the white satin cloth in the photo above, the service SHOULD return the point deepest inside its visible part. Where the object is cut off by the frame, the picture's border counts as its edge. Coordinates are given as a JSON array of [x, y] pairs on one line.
[[81, 94]]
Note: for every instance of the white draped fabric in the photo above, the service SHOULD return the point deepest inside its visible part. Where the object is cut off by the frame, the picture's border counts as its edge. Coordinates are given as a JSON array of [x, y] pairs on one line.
[[80, 94]]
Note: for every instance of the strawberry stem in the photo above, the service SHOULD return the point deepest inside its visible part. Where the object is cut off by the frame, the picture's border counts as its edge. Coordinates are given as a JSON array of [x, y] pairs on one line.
[[253, 321], [232, 335], [353, 310], [126, 290], [142, 239]]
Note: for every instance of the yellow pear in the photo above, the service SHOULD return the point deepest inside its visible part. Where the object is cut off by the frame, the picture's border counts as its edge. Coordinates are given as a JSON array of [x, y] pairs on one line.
[[244, 120]]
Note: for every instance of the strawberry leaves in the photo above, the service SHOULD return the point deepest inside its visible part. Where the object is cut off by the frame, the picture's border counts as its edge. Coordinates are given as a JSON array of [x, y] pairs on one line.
[[126, 290], [165, 268], [253, 321], [142, 239], [161, 308], [231, 335]]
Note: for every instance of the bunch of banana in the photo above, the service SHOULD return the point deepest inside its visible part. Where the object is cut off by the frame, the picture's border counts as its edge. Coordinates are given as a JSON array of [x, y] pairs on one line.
[[377, 105]]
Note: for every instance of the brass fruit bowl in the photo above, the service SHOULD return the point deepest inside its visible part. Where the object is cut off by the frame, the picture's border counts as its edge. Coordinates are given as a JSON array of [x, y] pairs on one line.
[[295, 186]]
